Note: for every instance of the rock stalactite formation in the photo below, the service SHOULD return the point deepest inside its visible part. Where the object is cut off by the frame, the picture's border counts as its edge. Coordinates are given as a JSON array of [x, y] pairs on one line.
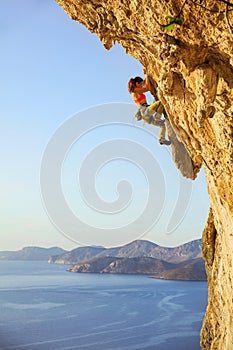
[[180, 155], [193, 68]]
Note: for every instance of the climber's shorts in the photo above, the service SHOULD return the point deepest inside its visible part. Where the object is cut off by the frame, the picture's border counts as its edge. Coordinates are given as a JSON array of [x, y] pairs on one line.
[[156, 107]]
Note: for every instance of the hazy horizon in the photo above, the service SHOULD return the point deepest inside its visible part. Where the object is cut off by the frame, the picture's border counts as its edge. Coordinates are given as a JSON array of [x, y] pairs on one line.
[[97, 246]]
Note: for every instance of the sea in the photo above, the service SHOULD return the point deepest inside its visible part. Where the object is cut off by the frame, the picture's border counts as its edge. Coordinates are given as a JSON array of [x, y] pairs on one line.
[[45, 307]]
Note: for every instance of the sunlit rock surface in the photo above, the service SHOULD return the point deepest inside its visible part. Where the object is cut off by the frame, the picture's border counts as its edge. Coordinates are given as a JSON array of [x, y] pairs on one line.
[[193, 67]]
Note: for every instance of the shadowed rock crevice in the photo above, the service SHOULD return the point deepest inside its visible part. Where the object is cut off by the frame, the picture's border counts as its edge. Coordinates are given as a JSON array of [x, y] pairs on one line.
[[208, 240], [180, 154]]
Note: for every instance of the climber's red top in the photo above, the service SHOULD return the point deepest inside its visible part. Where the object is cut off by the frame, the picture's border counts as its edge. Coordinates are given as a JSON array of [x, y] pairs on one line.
[[139, 99]]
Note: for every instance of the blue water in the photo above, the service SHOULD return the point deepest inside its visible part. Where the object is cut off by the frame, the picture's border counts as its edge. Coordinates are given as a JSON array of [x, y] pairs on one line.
[[43, 307]]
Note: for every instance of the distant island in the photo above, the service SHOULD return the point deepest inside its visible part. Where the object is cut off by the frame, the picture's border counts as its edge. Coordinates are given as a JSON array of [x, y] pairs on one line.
[[138, 257], [31, 253]]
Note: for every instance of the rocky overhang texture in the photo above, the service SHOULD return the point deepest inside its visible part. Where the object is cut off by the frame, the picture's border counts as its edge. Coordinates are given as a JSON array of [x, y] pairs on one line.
[[192, 67]]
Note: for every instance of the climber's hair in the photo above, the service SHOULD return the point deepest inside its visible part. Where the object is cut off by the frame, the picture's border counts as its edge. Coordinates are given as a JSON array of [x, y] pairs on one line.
[[132, 83]]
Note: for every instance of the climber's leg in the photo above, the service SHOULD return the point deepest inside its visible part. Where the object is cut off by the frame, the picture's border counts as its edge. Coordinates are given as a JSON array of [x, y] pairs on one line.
[[157, 122], [156, 107], [162, 132], [160, 109], [162, 139]]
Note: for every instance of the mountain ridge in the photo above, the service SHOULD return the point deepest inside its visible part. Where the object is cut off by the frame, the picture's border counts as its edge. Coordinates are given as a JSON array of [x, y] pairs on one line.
[[137, 248], [139, 257]]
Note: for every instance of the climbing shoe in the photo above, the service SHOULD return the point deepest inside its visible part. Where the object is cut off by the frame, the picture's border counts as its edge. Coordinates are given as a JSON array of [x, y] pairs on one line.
[[138, 115], [163, 141]]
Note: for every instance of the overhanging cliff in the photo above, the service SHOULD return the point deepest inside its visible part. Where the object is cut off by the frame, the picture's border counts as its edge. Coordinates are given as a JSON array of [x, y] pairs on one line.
[[193, 68]]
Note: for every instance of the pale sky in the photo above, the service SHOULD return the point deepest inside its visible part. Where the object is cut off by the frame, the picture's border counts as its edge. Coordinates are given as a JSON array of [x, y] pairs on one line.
[[53, 69]]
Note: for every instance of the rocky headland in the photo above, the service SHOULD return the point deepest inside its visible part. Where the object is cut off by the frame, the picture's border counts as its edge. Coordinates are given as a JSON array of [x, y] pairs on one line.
[[138, 257]]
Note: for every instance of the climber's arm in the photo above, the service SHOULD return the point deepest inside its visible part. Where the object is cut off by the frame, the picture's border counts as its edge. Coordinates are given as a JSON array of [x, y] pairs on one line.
[[143, 86], [146, 83]]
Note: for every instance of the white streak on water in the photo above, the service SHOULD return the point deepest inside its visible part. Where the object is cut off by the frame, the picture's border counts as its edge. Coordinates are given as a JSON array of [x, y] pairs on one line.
[[39, 306], [150, 341]]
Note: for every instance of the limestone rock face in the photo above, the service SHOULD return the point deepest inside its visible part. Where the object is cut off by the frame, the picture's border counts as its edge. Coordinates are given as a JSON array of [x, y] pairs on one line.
[[193, 68]]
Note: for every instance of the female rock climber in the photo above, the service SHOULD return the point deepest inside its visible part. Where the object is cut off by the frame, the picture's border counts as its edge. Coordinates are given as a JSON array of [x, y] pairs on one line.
[[149, 113]]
